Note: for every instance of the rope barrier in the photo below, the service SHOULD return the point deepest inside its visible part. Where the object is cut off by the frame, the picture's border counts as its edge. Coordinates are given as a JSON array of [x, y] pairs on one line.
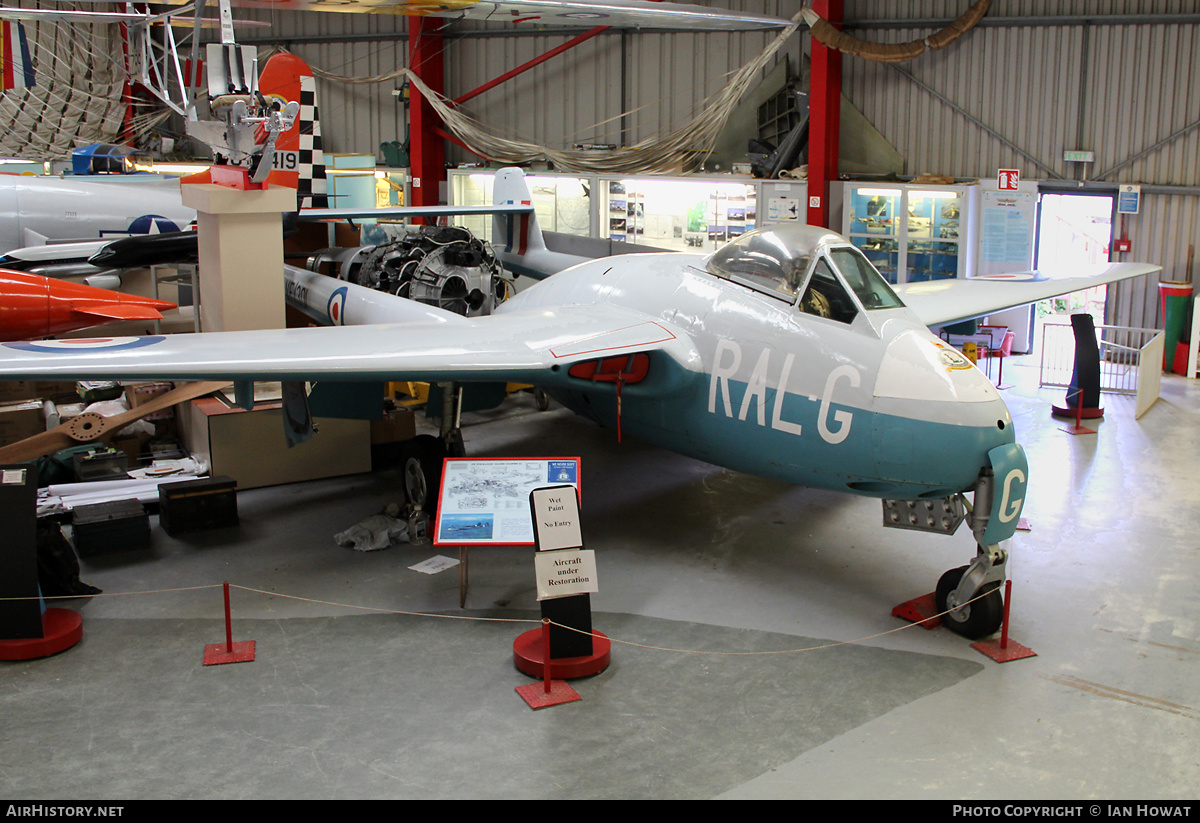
[[514, 620]]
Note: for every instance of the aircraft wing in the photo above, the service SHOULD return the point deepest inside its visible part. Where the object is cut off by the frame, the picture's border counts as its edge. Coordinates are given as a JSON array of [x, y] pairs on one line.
[[618, 13], [182, 18], [35, 15], [531, 347], [939, 302], [140, 250], [396, 212]]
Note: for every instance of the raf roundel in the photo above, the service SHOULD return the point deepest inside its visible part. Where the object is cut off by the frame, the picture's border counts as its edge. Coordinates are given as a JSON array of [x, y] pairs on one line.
[[152, 224], [336, 308], [85, 344]]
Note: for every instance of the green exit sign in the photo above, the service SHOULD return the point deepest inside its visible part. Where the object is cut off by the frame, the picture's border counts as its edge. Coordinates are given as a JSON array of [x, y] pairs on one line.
[[1079, 156]]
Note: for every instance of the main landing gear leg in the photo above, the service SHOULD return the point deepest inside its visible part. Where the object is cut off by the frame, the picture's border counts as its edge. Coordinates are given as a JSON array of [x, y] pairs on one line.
[[423, 455], [452, 419]]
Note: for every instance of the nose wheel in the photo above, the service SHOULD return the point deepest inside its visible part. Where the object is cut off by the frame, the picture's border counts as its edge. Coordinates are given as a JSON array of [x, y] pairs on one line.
[[981, 611]]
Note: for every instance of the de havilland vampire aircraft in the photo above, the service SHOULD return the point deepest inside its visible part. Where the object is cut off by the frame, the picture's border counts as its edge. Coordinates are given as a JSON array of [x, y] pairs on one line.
[[784, 354]]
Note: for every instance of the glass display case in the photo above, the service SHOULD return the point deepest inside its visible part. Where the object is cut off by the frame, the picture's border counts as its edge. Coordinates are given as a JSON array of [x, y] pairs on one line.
[[678, 214], [562, 202], [910, 232], [392, 187], [695, 213]]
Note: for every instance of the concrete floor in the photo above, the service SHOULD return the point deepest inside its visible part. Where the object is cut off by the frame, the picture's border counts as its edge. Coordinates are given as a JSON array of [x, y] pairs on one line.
[[353, 696]]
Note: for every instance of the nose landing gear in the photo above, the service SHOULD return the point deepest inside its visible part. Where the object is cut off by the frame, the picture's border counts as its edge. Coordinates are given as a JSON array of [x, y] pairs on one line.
[[969, 600]]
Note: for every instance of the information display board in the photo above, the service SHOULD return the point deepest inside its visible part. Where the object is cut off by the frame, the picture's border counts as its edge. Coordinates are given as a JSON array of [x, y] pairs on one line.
[[485, 501]]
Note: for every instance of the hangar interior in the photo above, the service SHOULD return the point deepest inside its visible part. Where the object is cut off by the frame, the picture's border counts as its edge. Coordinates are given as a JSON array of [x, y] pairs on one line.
[[755, 652]]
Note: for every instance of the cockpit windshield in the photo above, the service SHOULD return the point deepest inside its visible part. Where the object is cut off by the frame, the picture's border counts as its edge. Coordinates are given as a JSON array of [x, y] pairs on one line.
[[763, 261], [868, 284], [776, 261]]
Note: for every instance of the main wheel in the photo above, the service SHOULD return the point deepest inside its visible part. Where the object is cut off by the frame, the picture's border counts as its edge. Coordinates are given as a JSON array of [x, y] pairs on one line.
[[422, 470], [979, 618]]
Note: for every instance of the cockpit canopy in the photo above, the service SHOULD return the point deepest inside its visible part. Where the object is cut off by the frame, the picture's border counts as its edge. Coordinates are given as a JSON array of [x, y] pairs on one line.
[[778, 260]]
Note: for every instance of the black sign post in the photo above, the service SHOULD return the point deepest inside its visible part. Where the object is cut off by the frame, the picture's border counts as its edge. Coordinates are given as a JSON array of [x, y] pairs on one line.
[[27, 630], [19, 619]]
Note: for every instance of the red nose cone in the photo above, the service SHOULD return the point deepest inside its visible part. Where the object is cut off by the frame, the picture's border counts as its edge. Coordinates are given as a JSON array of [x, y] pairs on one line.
[[32, 306]]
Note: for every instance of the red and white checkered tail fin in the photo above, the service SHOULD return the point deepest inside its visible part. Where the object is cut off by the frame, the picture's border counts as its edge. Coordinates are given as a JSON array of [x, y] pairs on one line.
[[520, 233], [299, 158]]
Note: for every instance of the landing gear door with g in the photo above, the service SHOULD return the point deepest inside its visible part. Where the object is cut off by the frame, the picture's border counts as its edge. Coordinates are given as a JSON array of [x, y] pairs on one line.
[[1011, 472]]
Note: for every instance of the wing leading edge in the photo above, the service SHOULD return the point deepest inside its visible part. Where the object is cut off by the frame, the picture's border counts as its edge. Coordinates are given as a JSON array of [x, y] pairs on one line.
[[534, 347], [399, 212], [618, 13], [939, 302]]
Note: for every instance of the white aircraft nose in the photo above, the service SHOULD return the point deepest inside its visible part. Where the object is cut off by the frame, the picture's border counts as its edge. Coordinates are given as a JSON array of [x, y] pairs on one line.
[[919, 367], [937, 416]]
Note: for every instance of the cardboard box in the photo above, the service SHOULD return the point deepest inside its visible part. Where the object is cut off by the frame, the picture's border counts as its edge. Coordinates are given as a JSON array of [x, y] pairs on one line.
[[396, 426], [250, 446], [35, 389], [132, 446], [20, 420], [139, 394]]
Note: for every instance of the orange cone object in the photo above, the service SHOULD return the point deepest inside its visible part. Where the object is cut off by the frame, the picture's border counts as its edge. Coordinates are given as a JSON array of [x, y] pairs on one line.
[[32, 306]]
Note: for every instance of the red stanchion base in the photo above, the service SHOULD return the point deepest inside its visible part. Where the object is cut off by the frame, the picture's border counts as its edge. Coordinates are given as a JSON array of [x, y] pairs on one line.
[[217, 653], [1086, 414], [993, 649], [529, 656], [919, 610], [61, 629], [537, 697]]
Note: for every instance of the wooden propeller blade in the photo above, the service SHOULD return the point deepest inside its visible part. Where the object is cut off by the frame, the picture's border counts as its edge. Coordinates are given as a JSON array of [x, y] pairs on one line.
[[90, 426]]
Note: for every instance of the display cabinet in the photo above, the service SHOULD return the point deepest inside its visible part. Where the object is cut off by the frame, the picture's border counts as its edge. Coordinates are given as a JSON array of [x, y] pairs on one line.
[[694, 213], [680, 214], [562, 202], [910, 232]]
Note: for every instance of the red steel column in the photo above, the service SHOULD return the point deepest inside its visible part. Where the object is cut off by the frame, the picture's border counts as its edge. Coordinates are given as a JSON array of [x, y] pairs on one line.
[[824, 116], [427, 152]]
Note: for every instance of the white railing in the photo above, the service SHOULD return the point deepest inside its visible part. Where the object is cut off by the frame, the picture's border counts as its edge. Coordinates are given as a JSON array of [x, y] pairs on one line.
[[1123, 350]]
